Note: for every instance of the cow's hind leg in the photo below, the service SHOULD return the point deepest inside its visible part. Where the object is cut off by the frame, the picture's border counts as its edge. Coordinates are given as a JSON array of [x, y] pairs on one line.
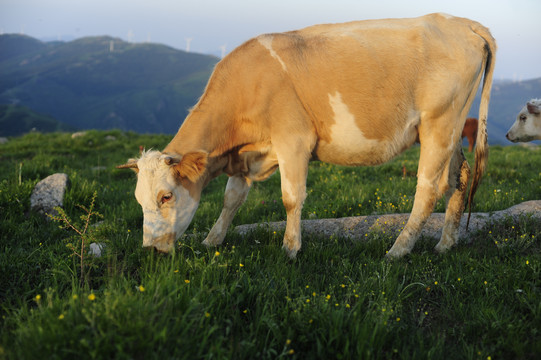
[[236, 192], [454, 186], [436, 153]]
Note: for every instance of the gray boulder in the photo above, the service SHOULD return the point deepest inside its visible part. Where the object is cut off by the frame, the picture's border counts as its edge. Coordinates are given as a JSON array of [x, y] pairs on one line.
[[49, 193]]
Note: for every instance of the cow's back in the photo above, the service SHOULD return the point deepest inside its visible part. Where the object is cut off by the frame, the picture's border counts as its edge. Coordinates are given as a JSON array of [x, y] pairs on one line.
[[361, 88], [365, 85]]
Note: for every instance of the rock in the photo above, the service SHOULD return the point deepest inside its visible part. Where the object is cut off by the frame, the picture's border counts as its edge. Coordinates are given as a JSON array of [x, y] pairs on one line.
[[78, 134], [3, 140], [357, 227], [110, 138], [49, 193], [96, 249]]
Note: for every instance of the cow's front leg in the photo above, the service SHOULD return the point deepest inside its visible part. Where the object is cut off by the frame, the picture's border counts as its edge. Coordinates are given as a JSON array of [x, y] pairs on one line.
[[293, 173], [236, 192]]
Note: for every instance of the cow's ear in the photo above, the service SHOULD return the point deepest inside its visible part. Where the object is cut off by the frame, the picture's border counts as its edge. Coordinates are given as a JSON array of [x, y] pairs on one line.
[[533, 109], [192, 165]]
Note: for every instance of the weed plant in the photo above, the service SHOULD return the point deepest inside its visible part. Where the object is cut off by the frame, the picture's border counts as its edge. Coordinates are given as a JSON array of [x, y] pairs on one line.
[[245, 300]]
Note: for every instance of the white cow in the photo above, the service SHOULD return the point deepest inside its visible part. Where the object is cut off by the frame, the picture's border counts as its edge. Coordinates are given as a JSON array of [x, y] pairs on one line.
[[354, 94], [527, 127]]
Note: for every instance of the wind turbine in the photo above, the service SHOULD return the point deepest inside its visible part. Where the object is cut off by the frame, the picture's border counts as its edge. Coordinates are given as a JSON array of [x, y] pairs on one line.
[[223, 50], [188, 42]]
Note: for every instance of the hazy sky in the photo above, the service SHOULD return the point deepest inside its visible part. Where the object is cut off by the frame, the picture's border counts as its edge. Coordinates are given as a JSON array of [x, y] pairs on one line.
[[211, 24]]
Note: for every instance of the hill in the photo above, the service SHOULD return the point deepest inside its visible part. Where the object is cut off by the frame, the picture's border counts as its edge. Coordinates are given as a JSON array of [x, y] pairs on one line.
[[103, 82], [16, 119]]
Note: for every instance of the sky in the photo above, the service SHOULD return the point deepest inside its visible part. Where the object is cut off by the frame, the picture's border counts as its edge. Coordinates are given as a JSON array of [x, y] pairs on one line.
[[212, 26]]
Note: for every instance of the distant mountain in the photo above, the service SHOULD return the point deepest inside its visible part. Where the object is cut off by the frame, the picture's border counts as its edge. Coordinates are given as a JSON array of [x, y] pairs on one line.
[[103, 82], [16, 120]]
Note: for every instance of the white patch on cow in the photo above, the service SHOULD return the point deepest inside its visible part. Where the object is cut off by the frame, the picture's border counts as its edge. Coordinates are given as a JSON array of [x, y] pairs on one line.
[[288, 190], [452, 142], [345, 133], [266, 41]]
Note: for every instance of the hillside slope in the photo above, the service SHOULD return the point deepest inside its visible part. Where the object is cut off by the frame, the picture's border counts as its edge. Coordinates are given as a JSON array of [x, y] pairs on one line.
[[103, 82]]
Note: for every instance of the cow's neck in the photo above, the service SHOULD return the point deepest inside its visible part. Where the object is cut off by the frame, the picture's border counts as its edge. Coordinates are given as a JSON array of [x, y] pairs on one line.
[[200, 131], [209, 131]]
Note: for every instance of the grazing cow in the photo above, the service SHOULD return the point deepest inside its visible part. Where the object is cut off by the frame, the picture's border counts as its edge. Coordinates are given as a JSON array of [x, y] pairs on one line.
[[470, 132], [356, 93], [527, 127]]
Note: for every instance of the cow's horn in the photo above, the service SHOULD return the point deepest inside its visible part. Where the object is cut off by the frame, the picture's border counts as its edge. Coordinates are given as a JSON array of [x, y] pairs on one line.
[[131, 164]]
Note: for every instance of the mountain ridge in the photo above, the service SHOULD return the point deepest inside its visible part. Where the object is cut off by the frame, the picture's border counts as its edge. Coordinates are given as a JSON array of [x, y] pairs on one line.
[[103, 82]]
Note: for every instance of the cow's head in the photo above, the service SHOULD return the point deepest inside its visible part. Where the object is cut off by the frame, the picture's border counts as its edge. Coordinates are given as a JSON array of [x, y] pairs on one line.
[[168, 189], [527, 127]]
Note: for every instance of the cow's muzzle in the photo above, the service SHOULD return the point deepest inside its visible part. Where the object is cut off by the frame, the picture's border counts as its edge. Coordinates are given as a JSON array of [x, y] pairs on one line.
[[163, 243]]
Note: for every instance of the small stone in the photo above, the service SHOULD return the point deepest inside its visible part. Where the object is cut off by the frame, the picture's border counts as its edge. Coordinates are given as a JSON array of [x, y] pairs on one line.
[[3, 140], [49, 193], [96, 249], [78, 134]]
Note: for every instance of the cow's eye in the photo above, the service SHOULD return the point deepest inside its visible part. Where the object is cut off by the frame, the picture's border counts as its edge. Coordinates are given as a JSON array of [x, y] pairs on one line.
[[166, 198], [523, 117]]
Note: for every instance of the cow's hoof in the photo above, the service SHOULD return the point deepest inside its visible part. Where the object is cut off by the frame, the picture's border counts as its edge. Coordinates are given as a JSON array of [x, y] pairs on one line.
[[291, 253], [207, 243], [440, 248], [396, 253], [212, 241]]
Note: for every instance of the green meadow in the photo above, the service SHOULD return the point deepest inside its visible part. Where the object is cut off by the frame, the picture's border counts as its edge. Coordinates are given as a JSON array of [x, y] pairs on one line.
[[340, 299]]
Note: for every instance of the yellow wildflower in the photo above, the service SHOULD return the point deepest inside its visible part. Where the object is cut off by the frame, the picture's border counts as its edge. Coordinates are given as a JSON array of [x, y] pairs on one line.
[[92, 297]]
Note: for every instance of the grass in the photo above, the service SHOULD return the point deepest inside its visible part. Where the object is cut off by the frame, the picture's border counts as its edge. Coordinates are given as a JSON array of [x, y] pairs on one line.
[[340, 299]]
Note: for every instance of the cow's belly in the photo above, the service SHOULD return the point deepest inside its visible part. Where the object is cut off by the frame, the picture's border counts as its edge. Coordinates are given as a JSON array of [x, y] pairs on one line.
[[361, 151], [346, 143]]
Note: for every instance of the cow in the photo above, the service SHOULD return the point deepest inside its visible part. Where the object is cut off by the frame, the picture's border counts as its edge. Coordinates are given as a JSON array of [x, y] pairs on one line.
[[353, 94], [527, 126], [470, 132]]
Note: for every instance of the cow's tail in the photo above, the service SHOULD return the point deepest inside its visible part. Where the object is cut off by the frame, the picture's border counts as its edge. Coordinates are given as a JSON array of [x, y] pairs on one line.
[[481, 147]]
